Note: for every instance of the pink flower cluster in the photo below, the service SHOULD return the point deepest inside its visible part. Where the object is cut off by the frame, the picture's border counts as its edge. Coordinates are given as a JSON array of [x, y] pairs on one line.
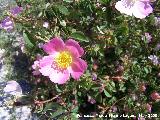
[[62, 60]]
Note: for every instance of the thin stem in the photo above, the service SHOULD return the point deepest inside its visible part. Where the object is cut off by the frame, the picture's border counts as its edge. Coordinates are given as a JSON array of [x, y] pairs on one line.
[[53, 98], [46, 101]]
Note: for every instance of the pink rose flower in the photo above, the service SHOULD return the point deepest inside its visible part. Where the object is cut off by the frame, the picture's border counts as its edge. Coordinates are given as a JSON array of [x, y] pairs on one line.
[[138, 8], [63, 59]]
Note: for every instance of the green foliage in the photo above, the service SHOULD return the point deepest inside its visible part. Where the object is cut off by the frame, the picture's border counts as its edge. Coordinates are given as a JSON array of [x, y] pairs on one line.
[[27, 40], [116, 50], [79, 36]]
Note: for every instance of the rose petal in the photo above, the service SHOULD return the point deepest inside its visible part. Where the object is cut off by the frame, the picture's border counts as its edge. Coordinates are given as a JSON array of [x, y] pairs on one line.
[[36, 72], [142, 9], [75, 44], [124, 9], [46, 70], [74, 52], [46, 65], [36, 64], [77, 68], [59, 77], [46, 61], [55, 45]]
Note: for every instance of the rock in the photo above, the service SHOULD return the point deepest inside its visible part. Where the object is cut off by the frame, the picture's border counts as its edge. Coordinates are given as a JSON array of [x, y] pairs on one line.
[[18, 113], [13, 66]]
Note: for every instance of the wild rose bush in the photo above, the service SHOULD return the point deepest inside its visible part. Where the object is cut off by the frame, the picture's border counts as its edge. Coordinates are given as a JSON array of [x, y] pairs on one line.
[[90, 57]]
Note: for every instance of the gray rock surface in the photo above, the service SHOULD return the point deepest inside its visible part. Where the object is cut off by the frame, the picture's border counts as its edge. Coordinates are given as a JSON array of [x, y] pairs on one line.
[[13, 64]]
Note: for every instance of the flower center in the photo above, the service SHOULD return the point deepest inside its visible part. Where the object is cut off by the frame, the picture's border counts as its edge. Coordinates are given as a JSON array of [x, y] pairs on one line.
[[63, 60]]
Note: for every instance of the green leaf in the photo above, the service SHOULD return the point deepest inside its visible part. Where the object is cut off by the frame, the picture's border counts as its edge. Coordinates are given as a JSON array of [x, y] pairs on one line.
[[79, 93], [112, 100], [122, 87], [58, 112], [110, 87], [146, 70], [75, 110], [79, 36], [99, 98], [58, 90], [27, 40], [112, 83], [107, 93], [48, 106], [95, 88], [40, 14], [73, 116], [104, 1], [62, 9], [118, 50]]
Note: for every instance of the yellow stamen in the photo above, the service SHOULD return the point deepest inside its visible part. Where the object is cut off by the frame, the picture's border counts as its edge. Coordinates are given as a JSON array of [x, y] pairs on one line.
[[63, 59]]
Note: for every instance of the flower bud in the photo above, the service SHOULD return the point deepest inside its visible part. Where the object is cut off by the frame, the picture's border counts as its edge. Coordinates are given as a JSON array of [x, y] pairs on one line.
[[91, 100], [45, 24], [94, 76], [155, 96], [142, 87], [148, 107], [95, 67], [134, 97]]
